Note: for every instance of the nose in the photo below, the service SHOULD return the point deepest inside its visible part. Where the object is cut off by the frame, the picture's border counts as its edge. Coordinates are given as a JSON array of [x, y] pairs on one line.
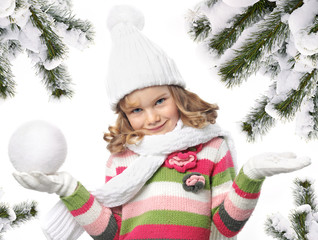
[[152, 117]]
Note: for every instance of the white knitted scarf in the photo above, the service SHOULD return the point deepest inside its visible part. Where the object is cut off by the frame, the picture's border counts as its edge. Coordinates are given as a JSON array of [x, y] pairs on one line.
[[152, 151]]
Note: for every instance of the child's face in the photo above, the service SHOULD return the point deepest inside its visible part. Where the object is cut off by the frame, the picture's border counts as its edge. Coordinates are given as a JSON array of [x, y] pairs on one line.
[[152, 110]]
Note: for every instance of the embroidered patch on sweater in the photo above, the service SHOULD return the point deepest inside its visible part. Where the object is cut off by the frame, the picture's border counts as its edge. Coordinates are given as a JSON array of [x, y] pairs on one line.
[[184, 160]]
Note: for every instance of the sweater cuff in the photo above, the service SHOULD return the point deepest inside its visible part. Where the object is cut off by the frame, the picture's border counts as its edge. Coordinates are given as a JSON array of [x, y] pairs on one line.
[[76, 200], [248, 185]]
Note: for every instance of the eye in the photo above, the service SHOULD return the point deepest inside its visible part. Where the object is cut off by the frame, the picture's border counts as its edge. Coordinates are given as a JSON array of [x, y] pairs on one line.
[[136, 110], [160, 101]]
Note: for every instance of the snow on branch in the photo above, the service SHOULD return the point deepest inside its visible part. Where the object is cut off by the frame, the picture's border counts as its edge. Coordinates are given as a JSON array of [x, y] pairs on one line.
[[275, 38], [44, 29]]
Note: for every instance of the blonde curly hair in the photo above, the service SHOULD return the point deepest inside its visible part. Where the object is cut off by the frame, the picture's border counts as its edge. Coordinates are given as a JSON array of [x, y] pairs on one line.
[[194, 112]]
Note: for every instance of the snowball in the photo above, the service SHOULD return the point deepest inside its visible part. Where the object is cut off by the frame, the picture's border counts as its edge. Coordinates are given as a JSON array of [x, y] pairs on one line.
[[37, 146], [6, 7], [125, 14], [240, 3]]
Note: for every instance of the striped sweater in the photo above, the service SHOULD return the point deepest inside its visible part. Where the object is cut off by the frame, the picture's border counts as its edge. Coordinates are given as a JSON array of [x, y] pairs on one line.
[[196, 199]]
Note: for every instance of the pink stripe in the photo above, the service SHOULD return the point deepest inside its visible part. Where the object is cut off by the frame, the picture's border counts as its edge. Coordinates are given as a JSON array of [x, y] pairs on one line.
[[243, 194], [204, 166], [84, 208], [221, 227], [100, 224], [124, 154], [217, 200], [235, 212], [108, 178], [214, 143], [119, 170], [225, 163], [167, 232], [165, 203]]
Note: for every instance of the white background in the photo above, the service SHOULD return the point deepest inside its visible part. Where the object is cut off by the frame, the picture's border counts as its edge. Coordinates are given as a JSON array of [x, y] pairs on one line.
[[86, 116]]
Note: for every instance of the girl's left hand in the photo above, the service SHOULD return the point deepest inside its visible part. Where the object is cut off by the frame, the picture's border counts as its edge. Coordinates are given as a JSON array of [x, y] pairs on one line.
[[269, 164]]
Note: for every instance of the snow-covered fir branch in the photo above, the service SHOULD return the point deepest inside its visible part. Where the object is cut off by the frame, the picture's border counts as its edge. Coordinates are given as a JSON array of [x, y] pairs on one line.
[[11, 217], [44, 29], [276, 38], [303, 220]]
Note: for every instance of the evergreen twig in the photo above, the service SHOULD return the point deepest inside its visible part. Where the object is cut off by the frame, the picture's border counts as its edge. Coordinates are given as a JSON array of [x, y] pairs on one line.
[[57, 80], [228, 36], [200, 26], [7, 85], [274, 232], [247, 59], [291, 105], [258, 122]]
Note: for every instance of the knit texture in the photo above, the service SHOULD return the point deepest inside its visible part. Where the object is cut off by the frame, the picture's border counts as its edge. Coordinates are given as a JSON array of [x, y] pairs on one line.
[[164, 209]]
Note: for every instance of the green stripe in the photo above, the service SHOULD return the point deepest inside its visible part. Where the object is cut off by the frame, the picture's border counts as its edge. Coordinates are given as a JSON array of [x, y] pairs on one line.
[[247, 184], [77, 199], [223, 177], [166, 217], [214, 210], [165, 174]]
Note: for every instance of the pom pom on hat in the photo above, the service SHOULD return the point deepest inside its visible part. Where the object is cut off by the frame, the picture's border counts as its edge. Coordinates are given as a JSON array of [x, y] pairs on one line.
[[127, 15], [135, 61]]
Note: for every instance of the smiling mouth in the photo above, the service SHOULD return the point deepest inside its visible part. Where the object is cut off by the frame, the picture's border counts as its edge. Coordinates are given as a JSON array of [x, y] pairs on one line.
[[157, 128]]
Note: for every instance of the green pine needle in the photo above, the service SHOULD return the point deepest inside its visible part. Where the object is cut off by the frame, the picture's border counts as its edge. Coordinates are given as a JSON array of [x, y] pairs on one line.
[[247, 59], [210, 3], [273, 232], [228, 36], [288, 108], [258, 122], [200, 27], [24, 212], [304, 193], [67, 18], [55, 47], [57, 81], [7, 85]]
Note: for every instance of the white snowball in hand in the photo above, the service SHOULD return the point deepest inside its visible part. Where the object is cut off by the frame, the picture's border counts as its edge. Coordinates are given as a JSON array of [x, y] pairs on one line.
[[37, 146]]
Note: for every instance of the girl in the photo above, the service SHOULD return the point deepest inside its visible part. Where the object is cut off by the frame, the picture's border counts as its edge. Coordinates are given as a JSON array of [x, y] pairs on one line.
[[171, 174]]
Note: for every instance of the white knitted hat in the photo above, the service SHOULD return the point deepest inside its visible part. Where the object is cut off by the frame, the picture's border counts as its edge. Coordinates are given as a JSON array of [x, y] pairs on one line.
[[135, 61]]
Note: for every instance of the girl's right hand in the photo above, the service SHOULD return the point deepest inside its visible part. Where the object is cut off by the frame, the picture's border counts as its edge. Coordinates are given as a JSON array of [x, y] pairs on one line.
[[62, 183]]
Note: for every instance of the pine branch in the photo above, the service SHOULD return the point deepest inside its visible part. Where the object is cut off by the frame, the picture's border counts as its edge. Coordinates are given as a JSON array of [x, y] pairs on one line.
[[67, 18], [14, 48], [210, 3], [24, 212], [228, 36], [247, 59], [258, 121], [304, 193], [271, 33], [298, 220], [314, 134], [200, 26], [7, 85], [57, 81], [4, 211], [55, 46], [314, 29], [274, 232], [291, 105]]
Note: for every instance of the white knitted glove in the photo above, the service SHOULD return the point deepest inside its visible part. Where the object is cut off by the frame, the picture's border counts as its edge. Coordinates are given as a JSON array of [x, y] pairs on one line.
[[269, 164], [62, 183]]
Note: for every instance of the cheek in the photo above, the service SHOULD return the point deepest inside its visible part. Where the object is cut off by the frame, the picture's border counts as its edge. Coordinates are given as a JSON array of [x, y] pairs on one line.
[[135, 122], [174, 114]]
